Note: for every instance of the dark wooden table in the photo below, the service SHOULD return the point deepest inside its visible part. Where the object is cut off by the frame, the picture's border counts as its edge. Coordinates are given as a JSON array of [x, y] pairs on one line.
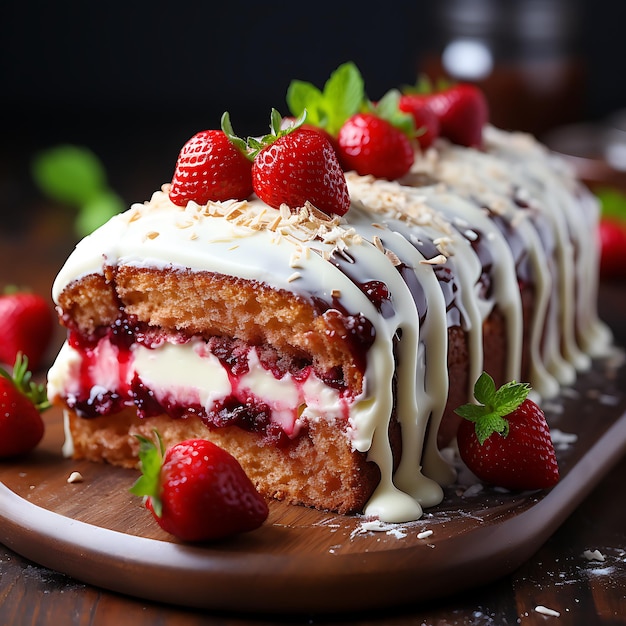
[[557, 576]]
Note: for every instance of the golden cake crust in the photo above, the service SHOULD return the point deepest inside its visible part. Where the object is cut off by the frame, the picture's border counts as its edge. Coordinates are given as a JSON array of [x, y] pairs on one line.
[[317, 468]]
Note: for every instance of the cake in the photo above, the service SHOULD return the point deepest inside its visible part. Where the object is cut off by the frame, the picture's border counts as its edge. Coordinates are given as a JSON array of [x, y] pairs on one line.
[[328, 353]]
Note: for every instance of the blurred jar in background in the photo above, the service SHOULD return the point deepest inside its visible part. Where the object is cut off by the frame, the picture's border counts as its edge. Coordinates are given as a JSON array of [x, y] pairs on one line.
[[523, 53]]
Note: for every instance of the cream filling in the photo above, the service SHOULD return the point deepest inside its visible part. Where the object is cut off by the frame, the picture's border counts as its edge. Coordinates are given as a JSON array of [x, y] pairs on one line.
[[187, 375]]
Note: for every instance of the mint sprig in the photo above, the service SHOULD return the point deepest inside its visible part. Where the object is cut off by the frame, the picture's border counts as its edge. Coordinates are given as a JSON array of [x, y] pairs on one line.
[[342, 96], [493, 406]]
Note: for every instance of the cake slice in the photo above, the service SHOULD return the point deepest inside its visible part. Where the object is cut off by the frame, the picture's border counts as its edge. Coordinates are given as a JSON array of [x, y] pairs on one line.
[[327, 353]]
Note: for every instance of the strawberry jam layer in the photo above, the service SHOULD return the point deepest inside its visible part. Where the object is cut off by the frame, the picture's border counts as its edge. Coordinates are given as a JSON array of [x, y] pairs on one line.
[[222, 381]]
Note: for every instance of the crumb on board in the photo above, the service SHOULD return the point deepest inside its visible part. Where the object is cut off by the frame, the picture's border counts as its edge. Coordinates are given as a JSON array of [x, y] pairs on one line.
[[75, 477]]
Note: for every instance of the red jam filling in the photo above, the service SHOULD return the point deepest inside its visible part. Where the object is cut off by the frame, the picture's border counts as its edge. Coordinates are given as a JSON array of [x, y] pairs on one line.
[[239, 409]]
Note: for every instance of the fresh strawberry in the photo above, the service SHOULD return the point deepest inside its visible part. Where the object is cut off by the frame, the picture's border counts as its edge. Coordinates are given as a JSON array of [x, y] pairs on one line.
[[210, 168], [462, 111], [26, 326], [21, 404], [612, 234], [369, 144], [197, 491], [426, 121], [505, 439], [294, 165]]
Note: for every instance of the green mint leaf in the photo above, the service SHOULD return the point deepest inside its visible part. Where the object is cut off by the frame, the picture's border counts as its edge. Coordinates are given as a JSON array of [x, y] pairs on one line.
[[471, 412], [612, 202], [343, 95], [510, 396], [69, 174], [303, 96], [97, 211], [485, 389], [388, 108], [489, 424]]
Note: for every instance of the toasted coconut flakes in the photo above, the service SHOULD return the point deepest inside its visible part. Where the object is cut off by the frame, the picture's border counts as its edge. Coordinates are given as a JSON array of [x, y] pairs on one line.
[[134, 216], [284, 211], [440, 259], [395, 261], [234, 246], [193, 236], [336, 293], [294, 276], [153, 234], [274, 224], [378, 243], [442, 244], [183, 225]]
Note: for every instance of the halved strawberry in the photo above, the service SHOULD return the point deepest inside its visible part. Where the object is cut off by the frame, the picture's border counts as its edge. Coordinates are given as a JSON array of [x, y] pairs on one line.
[[505, 439], [197, 491], [210, 168]]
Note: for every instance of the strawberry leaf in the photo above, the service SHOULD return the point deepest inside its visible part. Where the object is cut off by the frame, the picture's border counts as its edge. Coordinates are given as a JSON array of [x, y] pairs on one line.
[[22, 379], [148, 484]]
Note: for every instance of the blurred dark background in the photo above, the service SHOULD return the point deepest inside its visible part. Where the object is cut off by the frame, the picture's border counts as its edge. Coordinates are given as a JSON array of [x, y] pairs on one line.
[[134, 80]]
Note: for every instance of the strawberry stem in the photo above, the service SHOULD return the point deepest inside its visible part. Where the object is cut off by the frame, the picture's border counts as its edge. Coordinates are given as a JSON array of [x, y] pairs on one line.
[[22, 379], [148, 484]]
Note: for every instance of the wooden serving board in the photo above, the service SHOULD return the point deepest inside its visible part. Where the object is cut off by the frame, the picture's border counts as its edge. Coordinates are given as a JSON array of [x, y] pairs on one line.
[[304, 560]]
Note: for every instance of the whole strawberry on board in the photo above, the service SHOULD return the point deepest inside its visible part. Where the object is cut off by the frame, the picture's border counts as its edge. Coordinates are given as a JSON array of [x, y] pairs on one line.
[[295, 165], [26, 326], [505, 439], [197, 491], [210, 167], [21, 403]]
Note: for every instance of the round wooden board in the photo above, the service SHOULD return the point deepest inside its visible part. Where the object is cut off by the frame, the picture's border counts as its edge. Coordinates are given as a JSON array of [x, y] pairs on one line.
[[302, 560]]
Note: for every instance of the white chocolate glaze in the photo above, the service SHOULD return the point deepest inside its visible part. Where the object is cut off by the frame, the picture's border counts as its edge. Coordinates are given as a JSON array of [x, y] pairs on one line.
[[455, 206]]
